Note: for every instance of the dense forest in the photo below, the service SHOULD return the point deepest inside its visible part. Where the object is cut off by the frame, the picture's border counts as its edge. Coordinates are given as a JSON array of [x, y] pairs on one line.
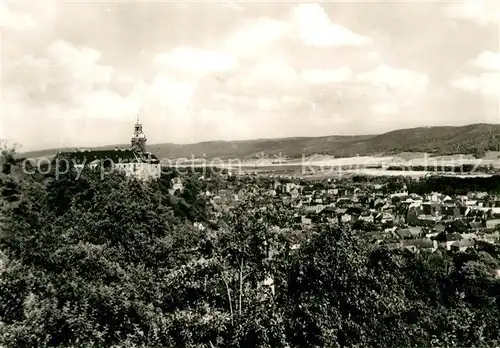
[[119, 263]]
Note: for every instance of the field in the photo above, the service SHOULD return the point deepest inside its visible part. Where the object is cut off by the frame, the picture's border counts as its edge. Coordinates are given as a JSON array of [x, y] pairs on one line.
[[405, 164]]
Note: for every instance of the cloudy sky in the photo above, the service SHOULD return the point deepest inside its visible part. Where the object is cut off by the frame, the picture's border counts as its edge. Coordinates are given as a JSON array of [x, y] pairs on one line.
[[76, 73]]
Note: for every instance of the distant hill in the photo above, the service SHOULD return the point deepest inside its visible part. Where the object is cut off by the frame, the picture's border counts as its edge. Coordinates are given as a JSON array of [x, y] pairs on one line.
[[473, 139]]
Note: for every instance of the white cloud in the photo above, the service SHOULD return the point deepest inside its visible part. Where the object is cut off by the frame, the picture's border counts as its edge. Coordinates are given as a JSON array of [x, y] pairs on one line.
[[325, 76], [386, 89], [316, 29], [308, 21], [373, 56], [479, 11], [231, 5], [256, 36], [68, 87], [81, 62], [104, 104], [63, 73], [267, 92], [384, 108], [67, 82], [487, 61], [400, 80], [269, 75], [28, 15], [15, 21], [194, 61], [487, 84], [264, 103], [170, 92]]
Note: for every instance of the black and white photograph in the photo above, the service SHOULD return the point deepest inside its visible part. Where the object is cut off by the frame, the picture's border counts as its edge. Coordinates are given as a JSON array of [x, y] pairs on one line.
[[249, 173]]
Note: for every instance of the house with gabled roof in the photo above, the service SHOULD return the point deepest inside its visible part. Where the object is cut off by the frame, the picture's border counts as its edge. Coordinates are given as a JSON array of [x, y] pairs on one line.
[[447, 239], [462, 245], [403, 233], [416, 245]]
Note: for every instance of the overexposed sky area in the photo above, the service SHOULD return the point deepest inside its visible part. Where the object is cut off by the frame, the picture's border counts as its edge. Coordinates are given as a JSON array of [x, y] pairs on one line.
[[76, 73]]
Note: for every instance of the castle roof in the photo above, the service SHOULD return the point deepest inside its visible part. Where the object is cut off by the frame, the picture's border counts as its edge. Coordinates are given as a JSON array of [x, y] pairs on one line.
[[111, 156]]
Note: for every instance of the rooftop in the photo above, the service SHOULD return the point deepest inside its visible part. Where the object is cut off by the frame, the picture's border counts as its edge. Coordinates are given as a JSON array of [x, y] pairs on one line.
[[112, 156]]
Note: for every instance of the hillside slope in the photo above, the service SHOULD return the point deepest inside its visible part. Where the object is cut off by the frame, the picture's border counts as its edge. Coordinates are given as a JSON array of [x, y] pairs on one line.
[[472, 139]]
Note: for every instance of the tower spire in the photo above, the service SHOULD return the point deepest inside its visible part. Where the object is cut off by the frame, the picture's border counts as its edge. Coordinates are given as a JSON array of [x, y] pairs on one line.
[[138, 141]]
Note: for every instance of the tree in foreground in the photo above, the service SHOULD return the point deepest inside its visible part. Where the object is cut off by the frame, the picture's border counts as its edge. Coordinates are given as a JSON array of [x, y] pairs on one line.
[[114, 263]]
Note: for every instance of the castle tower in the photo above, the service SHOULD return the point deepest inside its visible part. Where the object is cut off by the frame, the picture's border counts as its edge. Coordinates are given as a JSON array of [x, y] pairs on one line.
[[139, 139]]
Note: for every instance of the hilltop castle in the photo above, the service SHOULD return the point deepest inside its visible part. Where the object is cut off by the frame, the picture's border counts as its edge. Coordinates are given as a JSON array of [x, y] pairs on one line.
[[134, 161], [138, 142]]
